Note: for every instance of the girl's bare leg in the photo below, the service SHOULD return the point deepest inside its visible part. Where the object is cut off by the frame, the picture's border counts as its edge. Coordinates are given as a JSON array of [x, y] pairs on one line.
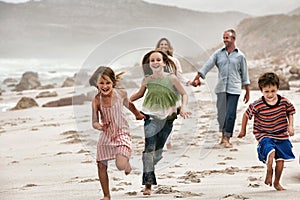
[[103, 177], [122, 163], [278, 172], [147, 190], [269, 175]]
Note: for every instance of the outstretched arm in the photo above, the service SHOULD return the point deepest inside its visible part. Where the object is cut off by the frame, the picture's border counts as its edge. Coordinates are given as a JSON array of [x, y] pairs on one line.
[[130, 106], [244, 125], [140, 93], [184, 98]]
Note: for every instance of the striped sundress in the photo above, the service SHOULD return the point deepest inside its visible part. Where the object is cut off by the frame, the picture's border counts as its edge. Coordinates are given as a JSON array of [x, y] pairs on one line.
[[116, 139]]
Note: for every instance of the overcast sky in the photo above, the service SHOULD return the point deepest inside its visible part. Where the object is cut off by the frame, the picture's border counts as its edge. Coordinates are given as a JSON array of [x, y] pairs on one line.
[[252, 7]]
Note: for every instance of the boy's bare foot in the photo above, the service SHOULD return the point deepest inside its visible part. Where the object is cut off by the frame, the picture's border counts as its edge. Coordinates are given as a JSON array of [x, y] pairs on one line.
[[278, 187], [269, 175], [147, 190], [128, 169], [105, 198]]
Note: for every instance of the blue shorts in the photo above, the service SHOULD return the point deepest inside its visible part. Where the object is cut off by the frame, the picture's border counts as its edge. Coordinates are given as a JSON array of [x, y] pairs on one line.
[[282, 148]]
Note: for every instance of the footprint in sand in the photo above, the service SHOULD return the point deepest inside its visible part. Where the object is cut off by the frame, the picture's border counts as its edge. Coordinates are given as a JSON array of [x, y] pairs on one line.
[[13, 162], [117, 189], [251, 178], [229, 158], [83, 151], [63, 152], [233, 150], [124, 184], [134, 193], [186, 194], [234, 196], [254, 185], [89, 180], [29, 185]]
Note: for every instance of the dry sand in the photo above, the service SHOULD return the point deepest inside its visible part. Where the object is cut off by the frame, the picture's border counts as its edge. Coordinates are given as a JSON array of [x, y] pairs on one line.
[[46, 154]]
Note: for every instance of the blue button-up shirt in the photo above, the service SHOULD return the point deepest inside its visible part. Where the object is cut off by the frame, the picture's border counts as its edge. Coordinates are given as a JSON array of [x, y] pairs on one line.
[[233, 70]]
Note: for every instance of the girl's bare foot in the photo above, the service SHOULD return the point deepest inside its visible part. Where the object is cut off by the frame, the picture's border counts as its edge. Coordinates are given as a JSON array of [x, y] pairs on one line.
[[228, 145], [105, 198], [278, 187], [147, 190], [222, 141], [269, 175], [128, 169]]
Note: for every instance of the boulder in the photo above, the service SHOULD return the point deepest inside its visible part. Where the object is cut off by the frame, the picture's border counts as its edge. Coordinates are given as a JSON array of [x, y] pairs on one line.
[[46, 94], [29, 80], [69, 82], [25, 102], [67, 101]]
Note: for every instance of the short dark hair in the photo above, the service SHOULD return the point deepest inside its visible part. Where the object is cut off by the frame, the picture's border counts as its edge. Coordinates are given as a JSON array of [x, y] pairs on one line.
[[269, 78]]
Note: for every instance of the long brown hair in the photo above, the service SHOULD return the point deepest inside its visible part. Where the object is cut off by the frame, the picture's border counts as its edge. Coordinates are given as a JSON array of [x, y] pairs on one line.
[[170, 51], [170, 65], [101, 71]]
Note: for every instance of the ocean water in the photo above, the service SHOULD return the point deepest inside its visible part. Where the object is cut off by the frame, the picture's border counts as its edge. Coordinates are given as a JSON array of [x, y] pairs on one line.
[[49, 71]]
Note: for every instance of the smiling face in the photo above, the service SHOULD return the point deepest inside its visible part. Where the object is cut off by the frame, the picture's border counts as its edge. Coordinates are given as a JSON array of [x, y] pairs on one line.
[[105, 85], [156, 62], [228, 39], [270, 94], [164, 45]]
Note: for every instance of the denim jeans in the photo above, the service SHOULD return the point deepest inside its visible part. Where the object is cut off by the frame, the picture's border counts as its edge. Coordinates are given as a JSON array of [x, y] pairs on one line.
[[227, 105], [156, 135]]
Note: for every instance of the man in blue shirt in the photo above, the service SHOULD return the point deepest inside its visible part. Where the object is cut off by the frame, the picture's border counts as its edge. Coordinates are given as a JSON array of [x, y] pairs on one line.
[[232, 76]]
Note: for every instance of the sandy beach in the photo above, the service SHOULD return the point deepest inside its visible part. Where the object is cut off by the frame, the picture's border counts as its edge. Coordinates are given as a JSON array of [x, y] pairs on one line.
[[48, 153]]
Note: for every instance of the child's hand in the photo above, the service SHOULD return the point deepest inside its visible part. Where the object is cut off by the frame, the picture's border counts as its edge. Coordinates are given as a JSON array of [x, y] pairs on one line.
[[183, 113], [140, 116], [241, 134], [291, 130], [104, 126], [196, 82]]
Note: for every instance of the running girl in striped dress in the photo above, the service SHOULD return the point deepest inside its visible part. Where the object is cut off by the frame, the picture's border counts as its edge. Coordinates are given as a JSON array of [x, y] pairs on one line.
[[115, 140], [273, 124]]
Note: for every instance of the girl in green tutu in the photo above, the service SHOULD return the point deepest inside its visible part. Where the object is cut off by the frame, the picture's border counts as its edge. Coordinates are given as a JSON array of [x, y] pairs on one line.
[[164, 91]]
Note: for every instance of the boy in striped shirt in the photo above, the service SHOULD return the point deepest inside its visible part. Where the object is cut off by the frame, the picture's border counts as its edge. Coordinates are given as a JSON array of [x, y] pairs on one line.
[[273, 124]]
